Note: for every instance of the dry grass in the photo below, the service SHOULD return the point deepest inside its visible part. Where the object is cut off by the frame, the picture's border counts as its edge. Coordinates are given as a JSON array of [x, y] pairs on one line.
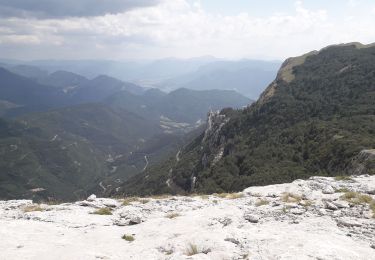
[[128, 201], [230, 196], [306, 203], [52, 202], [221, 195], [172, 215], [357, 198], [343, 178], [372, 207], [261, 202], [144, 201], [290, 197], [204, 197], [160, 197], [128, 238], [192, 249], [342, 190], [103, 211], [285, 209], [32, 208], [234, 196]]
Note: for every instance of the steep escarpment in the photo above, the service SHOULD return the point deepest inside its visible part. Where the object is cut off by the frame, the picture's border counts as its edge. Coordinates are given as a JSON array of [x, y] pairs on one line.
[[314, 119]]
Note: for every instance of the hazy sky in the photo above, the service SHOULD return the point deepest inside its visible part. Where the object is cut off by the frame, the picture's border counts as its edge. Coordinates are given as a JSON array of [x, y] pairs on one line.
[[131, 29]]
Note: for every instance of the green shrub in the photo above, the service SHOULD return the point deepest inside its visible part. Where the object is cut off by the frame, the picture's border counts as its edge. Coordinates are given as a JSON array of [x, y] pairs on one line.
[[128, 238]]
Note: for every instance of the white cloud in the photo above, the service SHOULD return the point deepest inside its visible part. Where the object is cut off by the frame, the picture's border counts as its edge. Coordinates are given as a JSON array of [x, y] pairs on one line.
[[178, 28]]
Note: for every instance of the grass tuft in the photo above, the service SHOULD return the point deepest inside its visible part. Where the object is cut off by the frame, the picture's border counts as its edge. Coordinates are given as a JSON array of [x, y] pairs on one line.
[[342, 190], [290, 197], [128, 201], [343, 178], [32, 208], [103, 211], [372, 207], [261, 202], [128, 238], [192, 249], [172, 215], [230, 196], [357, 198]]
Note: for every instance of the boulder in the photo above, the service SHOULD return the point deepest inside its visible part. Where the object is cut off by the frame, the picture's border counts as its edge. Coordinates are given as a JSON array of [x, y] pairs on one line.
[[341, 204], [92, 197], [328, 190], [330, 205], [251, 218]]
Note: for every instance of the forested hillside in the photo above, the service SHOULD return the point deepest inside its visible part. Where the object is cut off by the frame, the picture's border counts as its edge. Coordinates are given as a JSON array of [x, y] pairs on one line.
[[314, 119]]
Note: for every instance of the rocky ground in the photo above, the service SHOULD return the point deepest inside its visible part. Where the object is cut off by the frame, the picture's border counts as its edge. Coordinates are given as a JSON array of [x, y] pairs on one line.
[[320, 218]]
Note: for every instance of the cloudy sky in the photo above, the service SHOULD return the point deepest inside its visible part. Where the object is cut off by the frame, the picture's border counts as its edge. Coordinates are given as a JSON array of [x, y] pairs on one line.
[[149, 29]]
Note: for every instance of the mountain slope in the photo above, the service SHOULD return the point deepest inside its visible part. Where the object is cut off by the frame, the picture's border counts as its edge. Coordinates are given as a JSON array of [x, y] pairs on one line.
[[28, 95], [65, 153], [182, 105], [63, 79], [314, 119]]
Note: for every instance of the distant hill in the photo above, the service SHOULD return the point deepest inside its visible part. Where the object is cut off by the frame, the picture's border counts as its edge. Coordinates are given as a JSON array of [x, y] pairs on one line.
[[182, 105], [27, 95], [248, 77], [28, 71], [102, 87], [63, 79], [20, 95], [316, 118]]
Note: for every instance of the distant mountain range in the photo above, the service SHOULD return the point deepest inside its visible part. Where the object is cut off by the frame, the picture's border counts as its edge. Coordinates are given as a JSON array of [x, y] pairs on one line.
[[248, 77], [63, 136]]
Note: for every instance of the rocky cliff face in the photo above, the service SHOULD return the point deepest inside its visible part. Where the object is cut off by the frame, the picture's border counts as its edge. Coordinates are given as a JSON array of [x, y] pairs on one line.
[[319, 218], [363, 163], [213, 138]]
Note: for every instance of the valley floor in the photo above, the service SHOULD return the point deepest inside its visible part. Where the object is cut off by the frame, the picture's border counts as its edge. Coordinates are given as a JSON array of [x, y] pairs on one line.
[[320, 218]]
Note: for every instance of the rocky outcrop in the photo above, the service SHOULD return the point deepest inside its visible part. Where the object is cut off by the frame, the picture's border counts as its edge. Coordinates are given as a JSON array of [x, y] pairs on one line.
[[363, 163], [299, 220]]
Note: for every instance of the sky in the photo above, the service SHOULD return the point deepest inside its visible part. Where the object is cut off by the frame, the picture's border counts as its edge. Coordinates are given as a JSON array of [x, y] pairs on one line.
[[154, 29]]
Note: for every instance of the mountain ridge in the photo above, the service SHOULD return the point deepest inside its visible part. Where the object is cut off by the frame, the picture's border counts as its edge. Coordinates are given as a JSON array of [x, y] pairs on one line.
[[304, 123]]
